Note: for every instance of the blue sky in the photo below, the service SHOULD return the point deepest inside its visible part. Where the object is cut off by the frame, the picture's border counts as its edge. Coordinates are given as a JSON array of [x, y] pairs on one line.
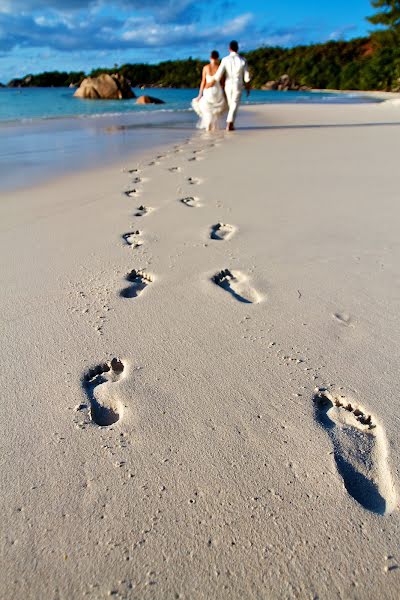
[[37, 35]]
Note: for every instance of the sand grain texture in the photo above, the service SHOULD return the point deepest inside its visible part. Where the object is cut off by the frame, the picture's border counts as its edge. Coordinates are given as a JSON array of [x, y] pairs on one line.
[[209, 473]]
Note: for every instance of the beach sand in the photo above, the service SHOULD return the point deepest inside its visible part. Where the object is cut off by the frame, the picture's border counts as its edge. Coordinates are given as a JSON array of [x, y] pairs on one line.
[[200, 368]]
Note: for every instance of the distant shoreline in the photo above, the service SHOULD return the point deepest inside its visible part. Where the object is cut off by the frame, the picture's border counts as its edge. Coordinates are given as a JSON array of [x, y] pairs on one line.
[[372, 93], [379, 94]]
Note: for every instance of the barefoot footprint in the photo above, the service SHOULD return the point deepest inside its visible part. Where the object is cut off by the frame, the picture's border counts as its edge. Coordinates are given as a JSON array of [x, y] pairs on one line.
[[190, 201], [193, 181], [222, 231], [343, 318], [142, 211], [132, 239], [139, 281], [131, 193], [105, 407], [236, 284], [360, 451]]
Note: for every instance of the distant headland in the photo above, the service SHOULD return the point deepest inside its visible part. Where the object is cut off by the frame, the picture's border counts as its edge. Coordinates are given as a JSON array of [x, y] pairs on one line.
[[368, 63]]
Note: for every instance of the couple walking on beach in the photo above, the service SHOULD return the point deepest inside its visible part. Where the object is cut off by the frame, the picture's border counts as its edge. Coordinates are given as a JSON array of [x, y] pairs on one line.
[[221, 89]]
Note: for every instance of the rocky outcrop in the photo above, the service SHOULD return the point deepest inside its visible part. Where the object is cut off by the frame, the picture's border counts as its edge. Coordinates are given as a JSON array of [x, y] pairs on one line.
[[284, 84], [105, 87], [396, 86], [149, 100], [24, 82]]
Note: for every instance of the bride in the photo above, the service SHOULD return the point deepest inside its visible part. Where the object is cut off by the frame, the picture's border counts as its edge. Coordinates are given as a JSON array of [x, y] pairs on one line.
[[210, 104]]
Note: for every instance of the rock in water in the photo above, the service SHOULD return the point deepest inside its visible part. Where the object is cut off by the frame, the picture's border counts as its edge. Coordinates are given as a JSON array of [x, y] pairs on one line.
[[149, 100], [105, 87]]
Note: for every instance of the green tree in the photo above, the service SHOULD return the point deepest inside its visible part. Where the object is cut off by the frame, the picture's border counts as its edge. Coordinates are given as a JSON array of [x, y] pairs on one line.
[[388, 15]]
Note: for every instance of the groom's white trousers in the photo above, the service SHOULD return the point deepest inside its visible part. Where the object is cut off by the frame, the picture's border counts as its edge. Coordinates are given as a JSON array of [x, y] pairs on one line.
[[233, 95]]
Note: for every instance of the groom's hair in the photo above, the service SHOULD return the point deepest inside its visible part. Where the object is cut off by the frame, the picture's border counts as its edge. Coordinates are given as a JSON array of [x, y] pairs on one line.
[[234, 46], [215, 55]]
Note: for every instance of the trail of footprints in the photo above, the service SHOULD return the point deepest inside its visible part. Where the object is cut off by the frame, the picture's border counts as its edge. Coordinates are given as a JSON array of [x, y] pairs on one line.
[[360, 448]]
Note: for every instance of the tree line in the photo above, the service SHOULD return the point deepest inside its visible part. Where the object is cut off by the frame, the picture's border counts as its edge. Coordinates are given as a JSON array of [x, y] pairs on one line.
[[361, 64]]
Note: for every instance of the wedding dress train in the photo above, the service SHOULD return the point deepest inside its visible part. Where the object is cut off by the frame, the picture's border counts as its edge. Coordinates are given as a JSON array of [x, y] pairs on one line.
[[211, 106]]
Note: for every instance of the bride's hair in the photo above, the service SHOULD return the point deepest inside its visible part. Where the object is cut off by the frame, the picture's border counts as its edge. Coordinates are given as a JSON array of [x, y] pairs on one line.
[[215, 55]]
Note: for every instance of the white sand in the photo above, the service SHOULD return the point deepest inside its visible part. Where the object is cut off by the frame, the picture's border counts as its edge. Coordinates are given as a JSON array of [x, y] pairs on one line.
[[226, 473]]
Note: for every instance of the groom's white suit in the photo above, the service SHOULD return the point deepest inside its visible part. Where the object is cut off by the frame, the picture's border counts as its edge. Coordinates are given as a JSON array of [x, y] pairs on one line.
[[236, 72]]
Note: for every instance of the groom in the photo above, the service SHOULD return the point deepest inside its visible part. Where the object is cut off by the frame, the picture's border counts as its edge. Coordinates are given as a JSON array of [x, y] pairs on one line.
[[235, 70]]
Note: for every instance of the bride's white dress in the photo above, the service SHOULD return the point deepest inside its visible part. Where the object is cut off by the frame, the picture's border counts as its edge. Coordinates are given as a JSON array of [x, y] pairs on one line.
[[211, 105]]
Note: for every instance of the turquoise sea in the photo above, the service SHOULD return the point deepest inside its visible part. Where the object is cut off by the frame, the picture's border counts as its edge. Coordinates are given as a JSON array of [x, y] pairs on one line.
[[18, 104], [45, 132]]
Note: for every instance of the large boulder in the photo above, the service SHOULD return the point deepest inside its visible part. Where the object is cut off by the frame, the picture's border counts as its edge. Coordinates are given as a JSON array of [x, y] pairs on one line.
[[270, 85], [149, 100], [105, 87], [284, 84]]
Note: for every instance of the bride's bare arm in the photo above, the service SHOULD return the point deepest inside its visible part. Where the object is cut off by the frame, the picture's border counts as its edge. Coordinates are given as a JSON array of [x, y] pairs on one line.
[[203, 83], [220, 74]]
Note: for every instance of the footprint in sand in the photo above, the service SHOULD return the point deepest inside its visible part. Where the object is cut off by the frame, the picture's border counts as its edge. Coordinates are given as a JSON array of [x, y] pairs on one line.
[[132, 239], [105, 407], [142, 211], [139, 280], [190, 201], [222, 231], [360, 451], [193, 181], [131, 193], [193, 158], [136, 180], [343, 318], [236, 284], [174, 169]]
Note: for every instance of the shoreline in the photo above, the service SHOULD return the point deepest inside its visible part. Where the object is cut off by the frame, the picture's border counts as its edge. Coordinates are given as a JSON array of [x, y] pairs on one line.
[[67, 146], [371, 93], [63, 146]]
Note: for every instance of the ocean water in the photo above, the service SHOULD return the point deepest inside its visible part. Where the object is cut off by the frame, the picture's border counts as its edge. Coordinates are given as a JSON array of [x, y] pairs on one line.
[[18, 104], [46, 132]]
